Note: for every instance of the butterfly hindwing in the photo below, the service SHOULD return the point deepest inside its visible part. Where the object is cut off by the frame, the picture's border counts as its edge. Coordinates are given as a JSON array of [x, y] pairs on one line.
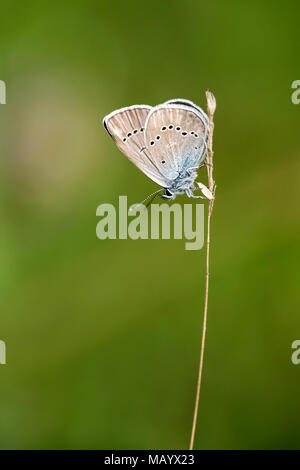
[[176, 134], [190, 105]]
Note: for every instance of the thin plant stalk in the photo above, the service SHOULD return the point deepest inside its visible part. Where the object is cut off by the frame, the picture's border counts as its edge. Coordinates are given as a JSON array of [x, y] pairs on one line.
[[211, 107]]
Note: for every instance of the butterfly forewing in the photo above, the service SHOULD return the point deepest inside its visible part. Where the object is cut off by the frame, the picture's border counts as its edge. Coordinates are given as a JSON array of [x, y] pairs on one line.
[[127, 127], [176, 134]]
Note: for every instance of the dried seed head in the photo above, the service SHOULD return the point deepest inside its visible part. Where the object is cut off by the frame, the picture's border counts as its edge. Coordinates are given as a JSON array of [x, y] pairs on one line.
[[205, 191], [211, 103]]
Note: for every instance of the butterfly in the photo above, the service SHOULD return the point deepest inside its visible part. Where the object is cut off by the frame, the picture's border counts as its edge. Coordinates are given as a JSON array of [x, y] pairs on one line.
[[168, 143]]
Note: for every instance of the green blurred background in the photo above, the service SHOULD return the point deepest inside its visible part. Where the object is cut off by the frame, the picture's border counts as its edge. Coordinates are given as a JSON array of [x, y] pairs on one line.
[[103, 337]]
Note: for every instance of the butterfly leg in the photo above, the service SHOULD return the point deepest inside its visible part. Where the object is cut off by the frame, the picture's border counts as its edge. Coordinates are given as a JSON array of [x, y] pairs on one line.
[[190, 193], [190, 170]]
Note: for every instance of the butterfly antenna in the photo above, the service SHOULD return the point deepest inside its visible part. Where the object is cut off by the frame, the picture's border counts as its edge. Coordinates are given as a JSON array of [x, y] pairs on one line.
[[152, 196]]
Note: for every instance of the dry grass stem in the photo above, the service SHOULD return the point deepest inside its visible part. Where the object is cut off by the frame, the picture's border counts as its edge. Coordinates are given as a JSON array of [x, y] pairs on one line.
[[211, 107]]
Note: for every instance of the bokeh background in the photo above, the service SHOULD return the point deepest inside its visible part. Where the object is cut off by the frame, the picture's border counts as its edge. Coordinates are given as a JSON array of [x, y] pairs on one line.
[[103, 337]]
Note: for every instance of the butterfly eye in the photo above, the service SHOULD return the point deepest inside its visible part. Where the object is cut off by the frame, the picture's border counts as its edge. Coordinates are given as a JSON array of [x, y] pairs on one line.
[[135, 131], [192, 132], [163, 128], [184, 133], [129, 134], [163, 161], [177, 128], [157, 137], [196, 135], [170, 126], [142, 129], [152, 142], [124, 140]]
